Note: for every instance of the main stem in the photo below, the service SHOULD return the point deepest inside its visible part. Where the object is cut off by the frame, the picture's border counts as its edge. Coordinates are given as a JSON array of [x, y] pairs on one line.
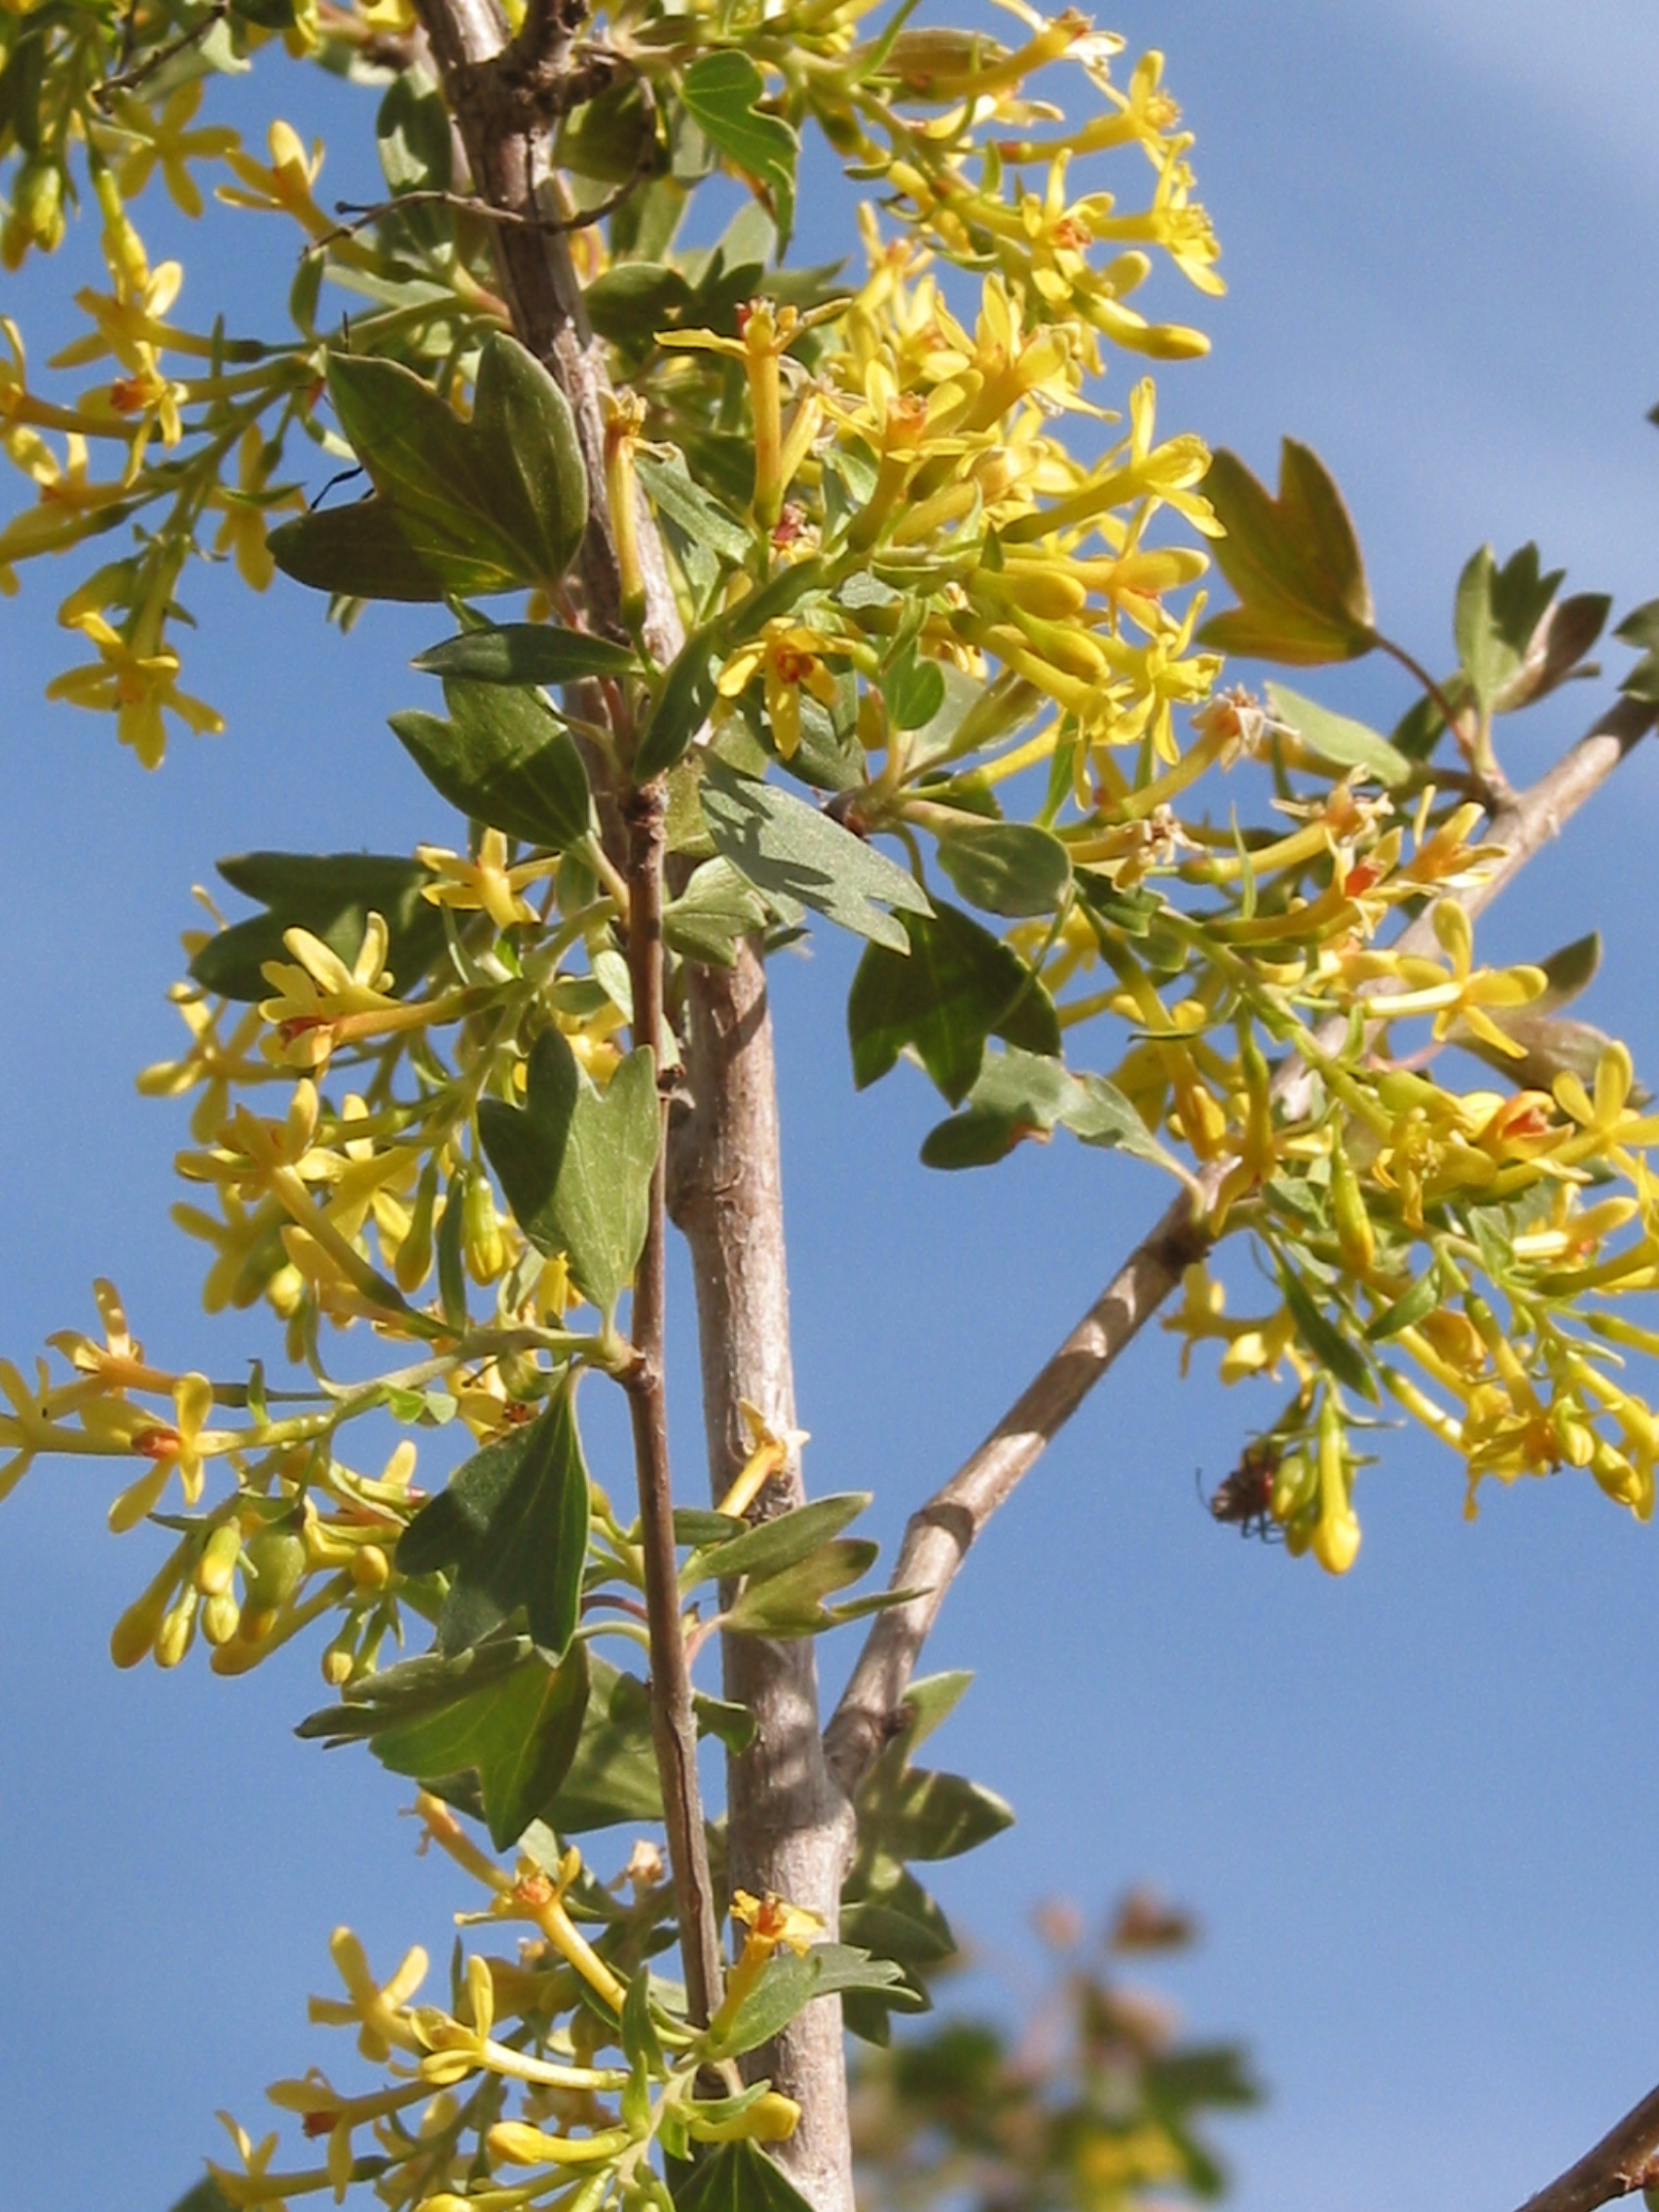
[[673, 1720], [789, 1828], [788, 1825]]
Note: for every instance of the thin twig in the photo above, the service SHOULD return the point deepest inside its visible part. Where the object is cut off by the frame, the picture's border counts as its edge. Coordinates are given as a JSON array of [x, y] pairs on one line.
[[1626, 2160], [1496, 788], [938, 1537], [674, 1721], [466, 204], [126, 78]]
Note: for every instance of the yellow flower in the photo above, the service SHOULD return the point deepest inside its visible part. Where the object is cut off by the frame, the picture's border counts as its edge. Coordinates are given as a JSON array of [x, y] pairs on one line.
[[772, 1921], [1464, 994], [379, 2013], [790, 659], [255, 2184], [284, 186], [316, 992], [325, 2112], [69, 502], [162, 137], [139, 686], [765, 334], [180, 1445], [487, 883], [212, 1061], [126, 323], [770, 1451], [248, 1253], [242, 531], [1608, 1119]]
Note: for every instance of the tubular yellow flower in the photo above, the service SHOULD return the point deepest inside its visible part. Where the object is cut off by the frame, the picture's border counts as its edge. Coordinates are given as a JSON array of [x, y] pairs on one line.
[[515, 2143], [162, 136], [770, 1451], [316, 992], [486, 884], [139, 687], [790, 658], [181, 1445], [283, 187], [1335, 1535], [379, 2013]]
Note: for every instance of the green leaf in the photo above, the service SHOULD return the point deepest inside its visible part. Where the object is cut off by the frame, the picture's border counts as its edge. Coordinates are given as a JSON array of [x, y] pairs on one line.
[[491, 504], [1106, 1117], [526, 652], [499, 1711], [576, 1163], [712, 916], [504, 758], [1568, 971], [723, 93], [694, 1525], [1556, 651], [1294, 562], [679, 499], [788, 1981], [519, 1735], [1335, 738], [1495, 616], [921, 1814], [1016, 1095], [681, 705], [844, 1965], [609, 136], [913, 688], [205, 2197], [356, 552], [1327, 1342], [513, 1524], [332, 895], [631, 301], [738, 2178], [613, 1776], [1640, 627], [790, 1604], [886, 1910], [1550, 1045], [413, 1689], [1411, 1307], [413, 134], [794, 852], [771, 1546], [1007, 868], [732, 1725], [957, 986]]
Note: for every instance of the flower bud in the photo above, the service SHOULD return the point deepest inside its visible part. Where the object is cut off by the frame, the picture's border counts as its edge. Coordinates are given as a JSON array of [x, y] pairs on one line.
[[371, 1569], [1355, 1234], [134, 1636], [1294, 1485], [218, 1560], [221, 1617], [481, 1231], [414, 1254], [1336, 1537], [274, 1566], [178, 1631], [36, 216]]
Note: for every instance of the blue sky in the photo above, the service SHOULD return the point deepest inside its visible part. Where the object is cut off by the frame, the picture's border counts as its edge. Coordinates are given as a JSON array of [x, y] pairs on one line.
[[1415, 1809]]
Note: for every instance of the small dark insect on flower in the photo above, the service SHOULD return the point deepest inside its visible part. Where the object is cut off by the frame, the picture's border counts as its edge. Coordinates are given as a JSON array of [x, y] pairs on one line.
[[1244, 1500]]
